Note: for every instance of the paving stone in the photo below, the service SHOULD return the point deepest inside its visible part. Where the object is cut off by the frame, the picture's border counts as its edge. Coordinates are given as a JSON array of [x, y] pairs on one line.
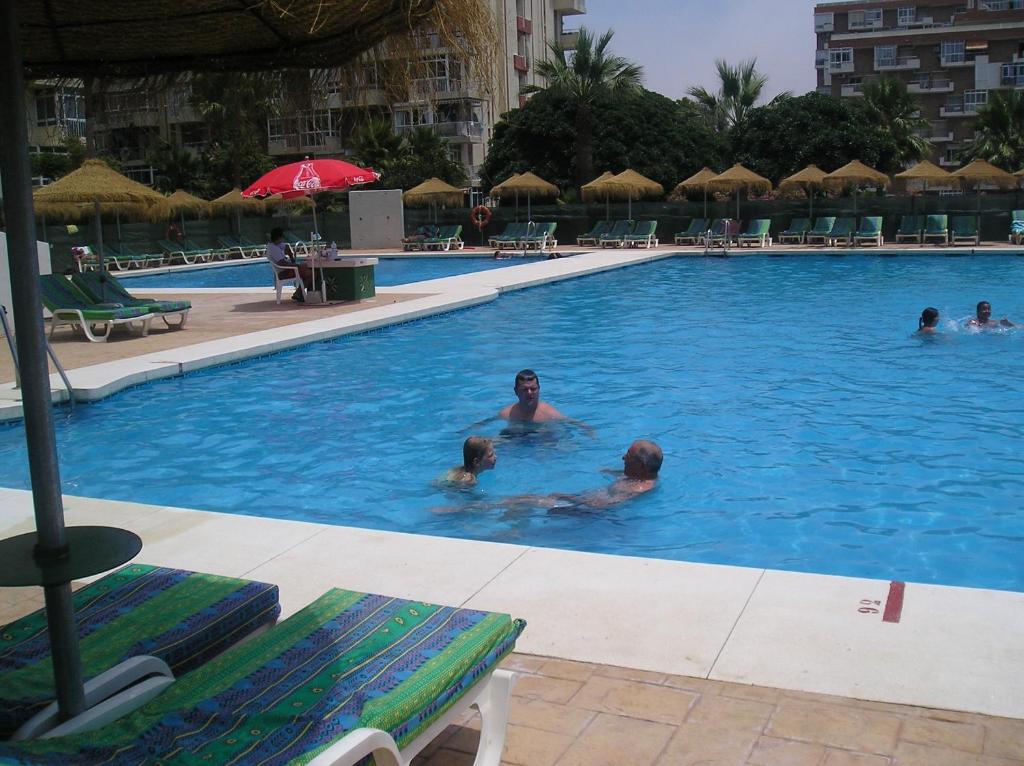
[[636, 700], [770, 751], [969, 737], [524, 662], [846, 758], [572, 671], [701, 745], [913, 754], [616, 741], [729, 713], [837, 726], [546, 716], [645, 676], [557, 690], [1004, 737], [532, 747]]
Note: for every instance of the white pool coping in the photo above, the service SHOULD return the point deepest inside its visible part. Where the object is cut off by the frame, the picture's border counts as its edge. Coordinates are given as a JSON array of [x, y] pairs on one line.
[[953, 648]]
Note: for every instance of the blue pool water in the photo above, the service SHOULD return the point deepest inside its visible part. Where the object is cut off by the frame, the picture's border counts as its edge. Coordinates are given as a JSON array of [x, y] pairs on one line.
[[804, 426], [389, 271]]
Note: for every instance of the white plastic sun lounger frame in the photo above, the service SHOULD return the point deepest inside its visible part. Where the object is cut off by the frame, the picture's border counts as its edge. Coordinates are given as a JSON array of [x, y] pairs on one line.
[[74, 318], [490, 697]]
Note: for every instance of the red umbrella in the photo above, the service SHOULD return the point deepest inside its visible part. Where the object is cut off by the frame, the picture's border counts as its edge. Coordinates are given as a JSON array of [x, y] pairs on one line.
[[298, 179]]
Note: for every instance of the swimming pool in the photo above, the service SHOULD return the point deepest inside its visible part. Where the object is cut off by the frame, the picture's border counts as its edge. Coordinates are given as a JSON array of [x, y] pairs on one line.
[[804, 426], [389, 271]]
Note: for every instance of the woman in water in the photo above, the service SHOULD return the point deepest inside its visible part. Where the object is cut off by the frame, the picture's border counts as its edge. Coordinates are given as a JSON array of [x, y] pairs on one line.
[[477, 456], [928, 322]]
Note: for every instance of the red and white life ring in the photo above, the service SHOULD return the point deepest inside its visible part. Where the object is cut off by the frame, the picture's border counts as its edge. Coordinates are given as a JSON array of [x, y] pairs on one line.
[[480, 216]]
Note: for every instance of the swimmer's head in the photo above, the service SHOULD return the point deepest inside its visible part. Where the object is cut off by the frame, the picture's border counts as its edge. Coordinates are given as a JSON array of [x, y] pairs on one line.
[[984, 311], [478, 455], [642, 460], [527, 387], [929, 318]]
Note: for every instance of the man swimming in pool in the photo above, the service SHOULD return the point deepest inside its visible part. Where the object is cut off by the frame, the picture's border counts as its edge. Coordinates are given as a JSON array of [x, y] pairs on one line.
[[984, 318], [529, 408]]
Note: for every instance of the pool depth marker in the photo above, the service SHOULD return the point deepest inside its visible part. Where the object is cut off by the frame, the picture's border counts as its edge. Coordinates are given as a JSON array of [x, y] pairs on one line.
[[894, 602]]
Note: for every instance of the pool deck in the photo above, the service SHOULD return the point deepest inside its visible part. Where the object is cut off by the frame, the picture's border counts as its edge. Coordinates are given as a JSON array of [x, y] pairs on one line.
[[719, 664]]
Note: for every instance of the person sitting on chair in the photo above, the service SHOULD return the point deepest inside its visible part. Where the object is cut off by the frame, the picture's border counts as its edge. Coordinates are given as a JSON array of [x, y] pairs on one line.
[[283, 257]]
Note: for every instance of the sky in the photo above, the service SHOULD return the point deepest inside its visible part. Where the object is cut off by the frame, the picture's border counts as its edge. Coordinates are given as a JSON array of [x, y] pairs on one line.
[[677, 41]]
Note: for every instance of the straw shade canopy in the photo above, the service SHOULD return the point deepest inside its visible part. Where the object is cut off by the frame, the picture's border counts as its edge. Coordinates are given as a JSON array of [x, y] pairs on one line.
[[525, 183], [697, 182], [739, 178], [629, 185], [97, 185], [927, 172], [856, 173], [496, 190], [433, 191], [1020, 173], [182, 202], [590, 191], [981, 172], [809, 179], [233, 201]]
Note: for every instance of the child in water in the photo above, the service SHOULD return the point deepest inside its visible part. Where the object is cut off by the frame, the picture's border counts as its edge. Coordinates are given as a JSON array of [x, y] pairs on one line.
[[928, 322], [477, 456]]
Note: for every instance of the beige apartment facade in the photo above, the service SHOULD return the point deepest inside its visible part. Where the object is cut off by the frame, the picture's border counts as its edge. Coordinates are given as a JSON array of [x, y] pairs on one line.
[[951, 55]]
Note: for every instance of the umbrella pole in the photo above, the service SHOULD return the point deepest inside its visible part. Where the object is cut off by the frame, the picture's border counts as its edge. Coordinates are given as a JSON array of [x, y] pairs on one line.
[[117, 223], [183, 233], [98, 218], [607, 209], [35, 373], [810, 212], [705, 202], [517, 207]]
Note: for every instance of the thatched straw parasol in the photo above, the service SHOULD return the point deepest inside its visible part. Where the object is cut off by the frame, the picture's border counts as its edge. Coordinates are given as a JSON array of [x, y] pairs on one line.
[[697, 182], [433, 192], [527, 183], [739, 178], [182, 202], [629, 185], [809, 180], [856, 174], [589, 191], [926, 172], [234, 202], [98, 188], [981, 172]]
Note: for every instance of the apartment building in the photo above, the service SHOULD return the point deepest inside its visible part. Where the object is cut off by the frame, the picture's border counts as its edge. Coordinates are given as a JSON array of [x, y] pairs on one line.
[[449, 100], [951, 54]]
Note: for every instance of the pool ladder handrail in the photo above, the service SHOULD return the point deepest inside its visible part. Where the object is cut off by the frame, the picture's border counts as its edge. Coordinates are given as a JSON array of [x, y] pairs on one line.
[[49, 350], [726, 222]]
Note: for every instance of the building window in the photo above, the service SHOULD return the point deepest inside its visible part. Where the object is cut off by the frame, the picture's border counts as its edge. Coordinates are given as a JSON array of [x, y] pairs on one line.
[[905, 17], [824, 22], [974, 99], [952, 52], [885, 56], [838, 58], [869, 19], [46, 108]]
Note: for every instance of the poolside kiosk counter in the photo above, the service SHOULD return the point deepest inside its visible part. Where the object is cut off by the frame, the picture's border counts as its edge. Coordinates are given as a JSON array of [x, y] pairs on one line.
[[346, 279]]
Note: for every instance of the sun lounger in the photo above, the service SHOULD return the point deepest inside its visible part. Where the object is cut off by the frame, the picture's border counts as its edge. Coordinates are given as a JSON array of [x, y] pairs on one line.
[[104, 287], [616, 235], [540, 236], [349, 676], [694, 232], [797, 231], [173, 250], [1017, 227], [936, 227], [447, 238], [234, 245], [842, 232], [723, 232], [593, 236], [821, 231], [510, 237], [298, 244], [415, 240], [69, 306], [869, 232], [911, 229], [181, 618], [964, 230], [643, 235], [123, 258], [757, 232]]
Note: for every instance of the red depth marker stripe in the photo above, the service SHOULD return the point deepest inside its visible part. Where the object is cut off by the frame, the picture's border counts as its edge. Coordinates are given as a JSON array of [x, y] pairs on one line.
[[894, 603]]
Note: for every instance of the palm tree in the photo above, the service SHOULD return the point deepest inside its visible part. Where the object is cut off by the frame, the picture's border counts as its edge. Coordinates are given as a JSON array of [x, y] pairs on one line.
[[376, 142], [739, 89], [589, 77], [1000, 131], [889, 104]]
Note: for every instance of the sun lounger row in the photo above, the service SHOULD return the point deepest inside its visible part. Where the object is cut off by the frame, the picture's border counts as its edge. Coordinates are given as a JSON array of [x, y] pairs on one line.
[[95, 300], [625, 233], [433, 237], [349, 676], [123, 257], [525, 236]]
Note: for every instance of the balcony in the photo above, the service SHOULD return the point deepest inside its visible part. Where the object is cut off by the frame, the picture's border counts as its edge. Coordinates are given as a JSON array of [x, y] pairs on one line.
[[948, 162], [956, 60], [520, 63], [524, 26], [897, 63], [1001, 5], [933, 85], [863, 25], [959, 110], [569, 7], [1012, 75], [568, 38], [937, 134], [824, 26], [474, 131], [840, 67], [820, 59], [852, 89]]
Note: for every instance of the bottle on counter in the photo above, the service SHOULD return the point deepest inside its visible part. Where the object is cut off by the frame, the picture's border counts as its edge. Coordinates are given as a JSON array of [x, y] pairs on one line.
[[333, 251]]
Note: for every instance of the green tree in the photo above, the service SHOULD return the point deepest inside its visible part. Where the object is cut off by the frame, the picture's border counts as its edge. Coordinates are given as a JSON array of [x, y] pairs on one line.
[[587, 80], [739, 89], [654, 135], [423, 155], [177, 168], [790, 133], [888, 104], [376, 143], [1000, 129]]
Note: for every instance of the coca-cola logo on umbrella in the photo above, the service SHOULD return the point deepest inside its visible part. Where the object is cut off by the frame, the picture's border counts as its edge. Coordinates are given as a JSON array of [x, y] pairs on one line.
[[307, 178]]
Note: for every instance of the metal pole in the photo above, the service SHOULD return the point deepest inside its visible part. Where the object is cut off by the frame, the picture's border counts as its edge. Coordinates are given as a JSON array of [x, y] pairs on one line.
[[35, 374]]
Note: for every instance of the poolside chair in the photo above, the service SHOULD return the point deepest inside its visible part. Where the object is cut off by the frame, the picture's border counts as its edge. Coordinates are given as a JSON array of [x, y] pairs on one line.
[[415, 240], [244, 250], [643, 235], [936, 227], [698, 228], [821, 231], [122, 257], [842, 232], [220, 253], [1017, 227], [173, 250], [350, 676], [757, 232], [287, 274], [153, 619], [540, 237], [69, 306], [510, 237], [103, 286], [798, 229], [911, 228], [723, 232], [869, 232], [616, 235], [447, 238], [964, 230], [255, 249], [593, 236]]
